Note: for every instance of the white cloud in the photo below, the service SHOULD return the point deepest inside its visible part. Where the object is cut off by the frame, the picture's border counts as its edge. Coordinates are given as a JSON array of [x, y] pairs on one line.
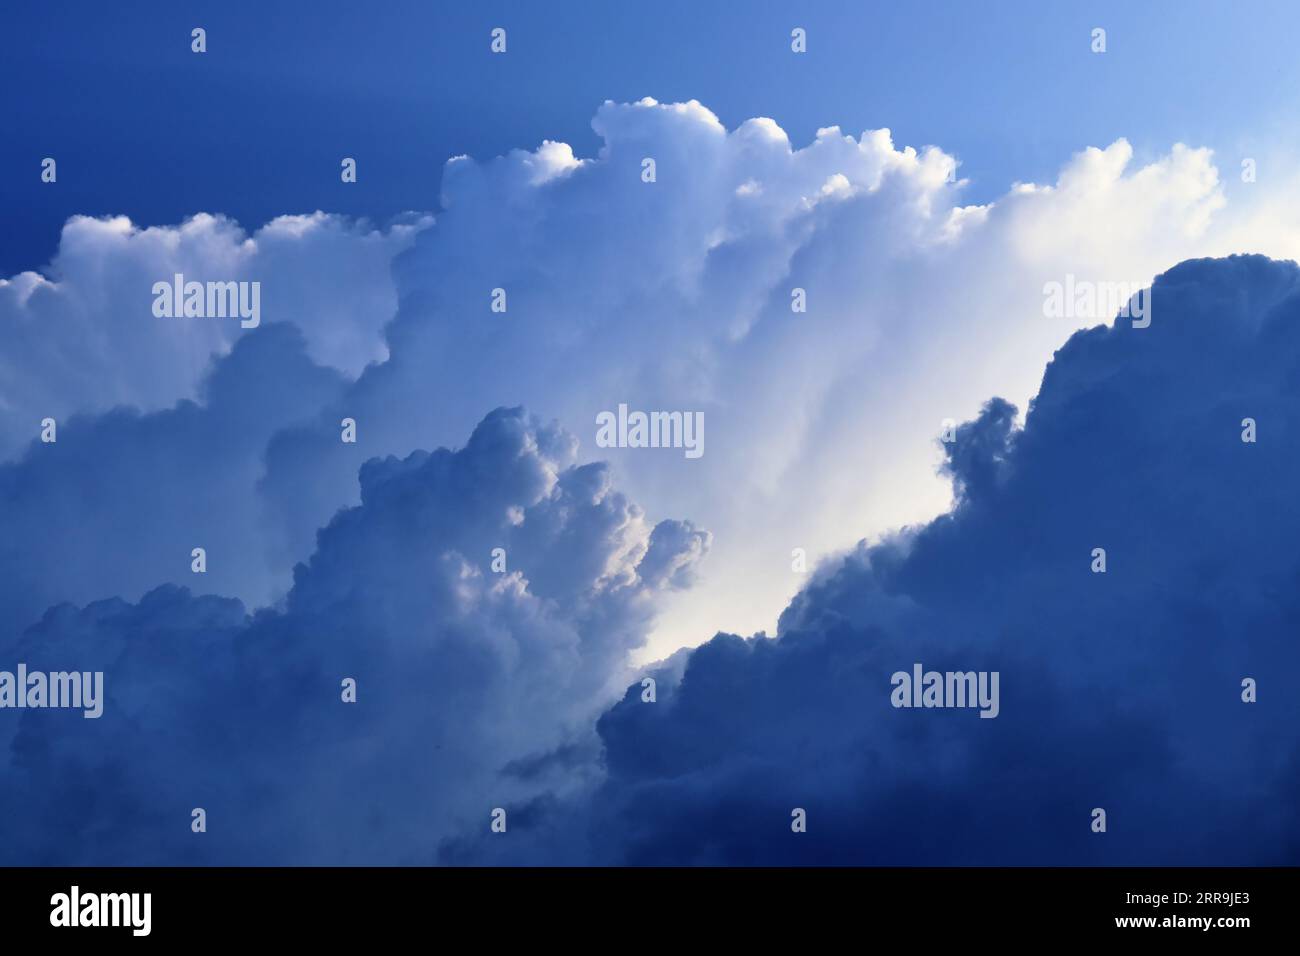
[[672, 295], [83, 338], [676, 294]]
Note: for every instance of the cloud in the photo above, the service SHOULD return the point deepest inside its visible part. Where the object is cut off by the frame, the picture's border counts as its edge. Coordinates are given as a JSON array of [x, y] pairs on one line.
[[671, 295], [481, 689], [676, 295], [116, 505], [81, 337], [1119, 690], [467, 680]]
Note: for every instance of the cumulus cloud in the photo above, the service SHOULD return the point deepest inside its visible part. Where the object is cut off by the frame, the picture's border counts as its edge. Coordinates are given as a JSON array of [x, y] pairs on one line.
[[677, 294], [481, 689], [671, 295], [469, 679], [1119, 690], [81, 336], [117, 504]]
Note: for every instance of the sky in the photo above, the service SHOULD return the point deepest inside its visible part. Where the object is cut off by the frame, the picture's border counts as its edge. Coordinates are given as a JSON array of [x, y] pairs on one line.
[[144, 129], [840, 267]]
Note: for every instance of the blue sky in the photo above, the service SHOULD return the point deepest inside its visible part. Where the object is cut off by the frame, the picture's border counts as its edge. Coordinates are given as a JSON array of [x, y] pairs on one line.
[[144, 128], [389, 480]]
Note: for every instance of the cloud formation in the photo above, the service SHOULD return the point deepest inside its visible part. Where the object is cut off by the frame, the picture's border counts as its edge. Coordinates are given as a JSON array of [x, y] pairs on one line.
[[117, 504], [678, 294], [467, 678], [672, 295], [81, 336], [1120, 690], [479, 689]]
